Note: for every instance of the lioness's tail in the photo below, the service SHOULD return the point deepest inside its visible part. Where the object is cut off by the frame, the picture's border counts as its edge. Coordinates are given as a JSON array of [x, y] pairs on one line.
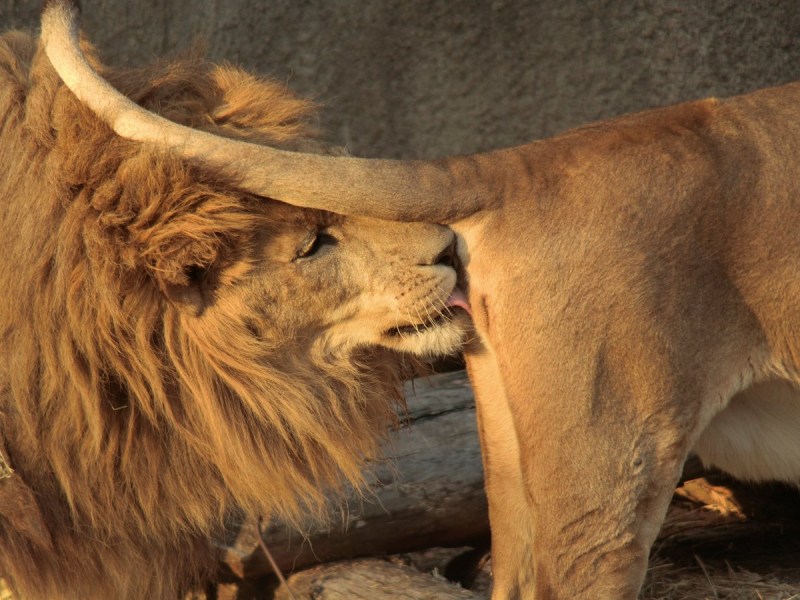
[[442, 190]]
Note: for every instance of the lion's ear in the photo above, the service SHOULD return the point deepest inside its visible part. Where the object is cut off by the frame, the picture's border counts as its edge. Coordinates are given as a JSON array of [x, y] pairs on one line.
[[188, 291], [182, 263]]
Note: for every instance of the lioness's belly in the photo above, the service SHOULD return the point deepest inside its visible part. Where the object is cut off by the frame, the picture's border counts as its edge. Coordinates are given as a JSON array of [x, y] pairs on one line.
[[757, 437]]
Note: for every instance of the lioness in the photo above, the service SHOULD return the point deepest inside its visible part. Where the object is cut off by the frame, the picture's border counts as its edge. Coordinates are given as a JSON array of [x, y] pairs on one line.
[[173, 347], [635, 285]]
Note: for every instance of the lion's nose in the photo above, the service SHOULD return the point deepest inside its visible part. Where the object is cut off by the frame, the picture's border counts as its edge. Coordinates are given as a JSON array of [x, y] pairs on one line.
[[447, 256]]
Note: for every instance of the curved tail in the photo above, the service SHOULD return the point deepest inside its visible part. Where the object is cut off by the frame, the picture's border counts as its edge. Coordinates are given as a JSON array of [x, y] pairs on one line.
[[443, 190]]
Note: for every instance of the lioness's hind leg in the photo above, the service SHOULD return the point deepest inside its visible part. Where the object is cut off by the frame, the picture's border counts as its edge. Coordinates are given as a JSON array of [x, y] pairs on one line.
[[600, 455]]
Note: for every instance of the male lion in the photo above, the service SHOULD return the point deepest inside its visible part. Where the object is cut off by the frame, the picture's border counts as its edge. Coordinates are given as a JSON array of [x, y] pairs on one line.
[[635, 285], [173, 347]]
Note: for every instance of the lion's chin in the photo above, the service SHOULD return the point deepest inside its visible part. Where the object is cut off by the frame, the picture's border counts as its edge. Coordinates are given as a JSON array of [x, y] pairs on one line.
[[444, 335]]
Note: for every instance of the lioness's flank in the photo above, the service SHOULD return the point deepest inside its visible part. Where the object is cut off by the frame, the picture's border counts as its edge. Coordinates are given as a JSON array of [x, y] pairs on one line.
[[173, 347]]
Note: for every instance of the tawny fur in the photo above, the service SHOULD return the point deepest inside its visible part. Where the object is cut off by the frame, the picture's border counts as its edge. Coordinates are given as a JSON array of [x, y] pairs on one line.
[[136, 423]]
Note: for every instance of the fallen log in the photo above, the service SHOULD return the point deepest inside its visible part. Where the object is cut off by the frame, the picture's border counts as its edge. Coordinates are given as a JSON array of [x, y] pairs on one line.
[[429, 492], [371, 580]]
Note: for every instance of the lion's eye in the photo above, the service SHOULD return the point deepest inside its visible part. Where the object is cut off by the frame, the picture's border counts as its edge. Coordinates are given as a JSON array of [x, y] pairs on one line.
[[315, 242]]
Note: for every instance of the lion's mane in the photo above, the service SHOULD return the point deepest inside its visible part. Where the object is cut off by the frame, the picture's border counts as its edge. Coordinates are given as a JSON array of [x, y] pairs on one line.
[[135, 425]]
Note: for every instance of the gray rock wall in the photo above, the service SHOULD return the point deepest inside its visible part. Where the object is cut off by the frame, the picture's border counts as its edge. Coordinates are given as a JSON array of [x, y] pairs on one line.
[[427, 78]]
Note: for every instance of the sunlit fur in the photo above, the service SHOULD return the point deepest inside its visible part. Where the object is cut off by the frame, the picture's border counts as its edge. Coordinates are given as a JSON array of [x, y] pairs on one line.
[[139, 420]]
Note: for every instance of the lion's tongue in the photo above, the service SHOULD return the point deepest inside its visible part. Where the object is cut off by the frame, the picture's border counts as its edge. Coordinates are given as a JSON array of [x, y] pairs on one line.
[[457, 298]]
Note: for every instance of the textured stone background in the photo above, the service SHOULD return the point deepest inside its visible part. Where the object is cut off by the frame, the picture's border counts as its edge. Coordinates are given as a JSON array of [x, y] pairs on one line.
[[426, 78]]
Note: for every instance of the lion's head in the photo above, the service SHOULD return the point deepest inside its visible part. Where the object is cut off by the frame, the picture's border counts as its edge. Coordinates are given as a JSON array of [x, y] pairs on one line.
[[173, 347]]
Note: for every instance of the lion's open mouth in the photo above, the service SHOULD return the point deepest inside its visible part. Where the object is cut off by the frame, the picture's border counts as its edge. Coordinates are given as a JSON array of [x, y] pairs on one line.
[[456, 301], [414, 328]]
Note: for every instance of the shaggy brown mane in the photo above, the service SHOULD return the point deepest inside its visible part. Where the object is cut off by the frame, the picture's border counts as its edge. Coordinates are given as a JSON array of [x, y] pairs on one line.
[[137, 423]]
